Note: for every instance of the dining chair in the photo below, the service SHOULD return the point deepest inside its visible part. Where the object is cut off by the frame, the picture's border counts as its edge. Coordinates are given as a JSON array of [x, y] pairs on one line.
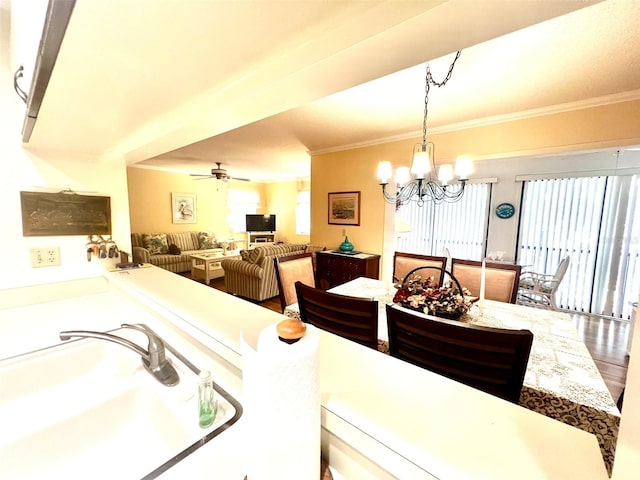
[[353, 318], [539, 289], [289, 270], [501, 279], [490, 359], [404, 262]]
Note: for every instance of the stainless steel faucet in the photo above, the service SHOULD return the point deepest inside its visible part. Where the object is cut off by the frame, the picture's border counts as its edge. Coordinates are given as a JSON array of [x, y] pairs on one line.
[[153, 358]]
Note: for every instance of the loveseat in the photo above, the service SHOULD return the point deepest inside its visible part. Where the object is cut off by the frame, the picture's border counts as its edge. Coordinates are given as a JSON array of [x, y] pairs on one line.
[[254, 276], [156, 248]]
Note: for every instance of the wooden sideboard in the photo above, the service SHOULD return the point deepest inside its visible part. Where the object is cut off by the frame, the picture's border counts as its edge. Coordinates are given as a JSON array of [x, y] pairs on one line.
[[336, 268]]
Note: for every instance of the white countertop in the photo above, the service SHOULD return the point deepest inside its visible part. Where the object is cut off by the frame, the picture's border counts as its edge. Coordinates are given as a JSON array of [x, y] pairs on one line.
[[406, 422]]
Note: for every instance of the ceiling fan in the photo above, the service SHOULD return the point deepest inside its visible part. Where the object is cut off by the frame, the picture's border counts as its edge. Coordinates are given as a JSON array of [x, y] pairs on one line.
[[219, 173]]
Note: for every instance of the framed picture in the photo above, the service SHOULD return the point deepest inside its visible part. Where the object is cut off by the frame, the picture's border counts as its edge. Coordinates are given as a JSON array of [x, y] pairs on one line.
[[64, 213], [183, 208], [344, 208]]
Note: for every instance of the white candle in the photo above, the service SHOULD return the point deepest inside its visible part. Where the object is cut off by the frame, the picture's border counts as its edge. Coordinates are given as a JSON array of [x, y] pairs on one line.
[[482, 287]]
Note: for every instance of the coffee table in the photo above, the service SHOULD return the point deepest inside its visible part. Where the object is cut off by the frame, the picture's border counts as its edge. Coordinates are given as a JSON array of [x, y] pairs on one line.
[[206, 266]]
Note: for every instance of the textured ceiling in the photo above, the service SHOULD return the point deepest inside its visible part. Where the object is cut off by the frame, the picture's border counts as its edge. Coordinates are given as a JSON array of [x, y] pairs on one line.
[[181, 92]]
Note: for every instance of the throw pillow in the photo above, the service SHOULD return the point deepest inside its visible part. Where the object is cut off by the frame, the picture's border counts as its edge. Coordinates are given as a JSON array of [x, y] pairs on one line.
[[174, 249], [156, 243], [255, 255], [207, 240]]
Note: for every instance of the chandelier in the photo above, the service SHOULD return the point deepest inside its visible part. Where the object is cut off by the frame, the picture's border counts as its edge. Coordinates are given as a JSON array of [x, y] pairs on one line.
[[418, 184]]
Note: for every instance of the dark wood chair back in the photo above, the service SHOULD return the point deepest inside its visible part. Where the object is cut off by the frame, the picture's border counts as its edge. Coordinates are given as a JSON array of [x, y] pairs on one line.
[[291, 269], [493, 360], [501, 279], [350, 317], [403, 263]]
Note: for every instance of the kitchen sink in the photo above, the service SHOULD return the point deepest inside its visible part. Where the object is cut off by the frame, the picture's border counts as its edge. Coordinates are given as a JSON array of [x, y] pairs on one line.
[[89, 409]]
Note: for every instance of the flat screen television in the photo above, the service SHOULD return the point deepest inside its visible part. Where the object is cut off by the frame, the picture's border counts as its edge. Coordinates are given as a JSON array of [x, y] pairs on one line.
[[261, 223]]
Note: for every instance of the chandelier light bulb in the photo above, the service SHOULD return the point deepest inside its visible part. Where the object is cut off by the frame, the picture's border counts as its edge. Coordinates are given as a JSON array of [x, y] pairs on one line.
[[421, 163], [402, 176], [463, 167], [445, 174], [384, 171]]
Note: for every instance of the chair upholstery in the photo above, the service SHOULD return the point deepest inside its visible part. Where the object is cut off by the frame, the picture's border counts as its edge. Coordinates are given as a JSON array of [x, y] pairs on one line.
[[493, 360], [291, 269], [403, 263], [501, 279], [350, 317], [539, 289], [254, 277]]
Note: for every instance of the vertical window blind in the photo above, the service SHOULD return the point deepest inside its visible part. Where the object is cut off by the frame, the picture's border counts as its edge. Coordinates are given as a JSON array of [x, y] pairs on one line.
[[594, 222], [459, 227]]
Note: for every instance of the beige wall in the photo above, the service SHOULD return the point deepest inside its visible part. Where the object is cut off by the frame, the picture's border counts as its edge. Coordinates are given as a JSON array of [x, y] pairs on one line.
[[607, 126], [150, 203]]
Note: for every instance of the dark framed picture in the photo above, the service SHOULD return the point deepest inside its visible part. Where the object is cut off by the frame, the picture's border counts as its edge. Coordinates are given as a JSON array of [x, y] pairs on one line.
[[64, 213], [344, 208]]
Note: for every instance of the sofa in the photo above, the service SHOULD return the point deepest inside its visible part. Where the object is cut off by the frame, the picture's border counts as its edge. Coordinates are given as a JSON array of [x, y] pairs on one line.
[[254, 275], [171, 251]]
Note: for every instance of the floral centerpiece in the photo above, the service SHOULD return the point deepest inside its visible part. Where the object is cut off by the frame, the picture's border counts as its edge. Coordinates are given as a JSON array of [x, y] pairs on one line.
[[426, 296]]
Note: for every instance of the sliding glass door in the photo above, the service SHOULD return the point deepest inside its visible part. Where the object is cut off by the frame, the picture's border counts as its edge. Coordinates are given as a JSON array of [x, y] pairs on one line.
[[593, 220]]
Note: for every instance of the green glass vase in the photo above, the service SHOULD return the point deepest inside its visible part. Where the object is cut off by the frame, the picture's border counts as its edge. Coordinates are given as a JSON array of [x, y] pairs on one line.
[[346, 246]]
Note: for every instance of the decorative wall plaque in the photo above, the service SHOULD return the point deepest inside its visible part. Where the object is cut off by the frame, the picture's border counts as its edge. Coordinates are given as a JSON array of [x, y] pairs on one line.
[[64, 213]]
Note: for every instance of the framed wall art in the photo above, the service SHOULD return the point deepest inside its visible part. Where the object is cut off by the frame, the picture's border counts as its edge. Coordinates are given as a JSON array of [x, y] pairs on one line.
[[183, 208], [64, 213], [344, 208]]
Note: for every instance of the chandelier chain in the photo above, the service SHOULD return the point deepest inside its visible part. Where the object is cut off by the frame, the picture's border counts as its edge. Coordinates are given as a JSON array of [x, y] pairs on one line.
[[428, 82]]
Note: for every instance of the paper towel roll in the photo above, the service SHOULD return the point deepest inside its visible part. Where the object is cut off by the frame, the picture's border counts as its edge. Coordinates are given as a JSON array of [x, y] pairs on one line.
[[281, 404]]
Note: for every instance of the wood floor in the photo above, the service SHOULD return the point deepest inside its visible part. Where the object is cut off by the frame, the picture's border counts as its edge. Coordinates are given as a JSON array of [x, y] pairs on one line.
[[605, 339]]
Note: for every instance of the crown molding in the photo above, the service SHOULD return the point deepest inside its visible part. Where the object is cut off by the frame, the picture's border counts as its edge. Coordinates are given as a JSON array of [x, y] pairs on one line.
[[493, 120]]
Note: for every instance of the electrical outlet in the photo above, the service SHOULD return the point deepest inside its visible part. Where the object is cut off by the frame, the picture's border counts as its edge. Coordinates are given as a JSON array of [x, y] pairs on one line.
[[45, 257]]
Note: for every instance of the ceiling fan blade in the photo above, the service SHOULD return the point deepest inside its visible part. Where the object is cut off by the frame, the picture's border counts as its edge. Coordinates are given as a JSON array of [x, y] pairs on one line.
[[219, 174]]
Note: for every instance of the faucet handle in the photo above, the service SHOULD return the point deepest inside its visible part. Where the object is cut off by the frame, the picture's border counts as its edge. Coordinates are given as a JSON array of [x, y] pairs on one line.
[[155, 346], [157, 365]]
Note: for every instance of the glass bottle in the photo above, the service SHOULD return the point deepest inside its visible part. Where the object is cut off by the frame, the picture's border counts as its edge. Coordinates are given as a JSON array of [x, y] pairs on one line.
[[207, 405]]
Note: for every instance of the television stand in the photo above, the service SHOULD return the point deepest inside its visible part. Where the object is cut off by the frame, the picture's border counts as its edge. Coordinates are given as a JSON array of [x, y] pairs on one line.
[[255, 239]]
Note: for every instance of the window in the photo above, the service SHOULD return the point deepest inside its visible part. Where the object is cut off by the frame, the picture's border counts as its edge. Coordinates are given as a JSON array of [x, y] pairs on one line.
[[459, 227], [303, 213], [241, 202], [593, 220]]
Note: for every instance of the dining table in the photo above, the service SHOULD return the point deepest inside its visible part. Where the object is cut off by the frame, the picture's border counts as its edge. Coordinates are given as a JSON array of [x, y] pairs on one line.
[[561, 381]]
